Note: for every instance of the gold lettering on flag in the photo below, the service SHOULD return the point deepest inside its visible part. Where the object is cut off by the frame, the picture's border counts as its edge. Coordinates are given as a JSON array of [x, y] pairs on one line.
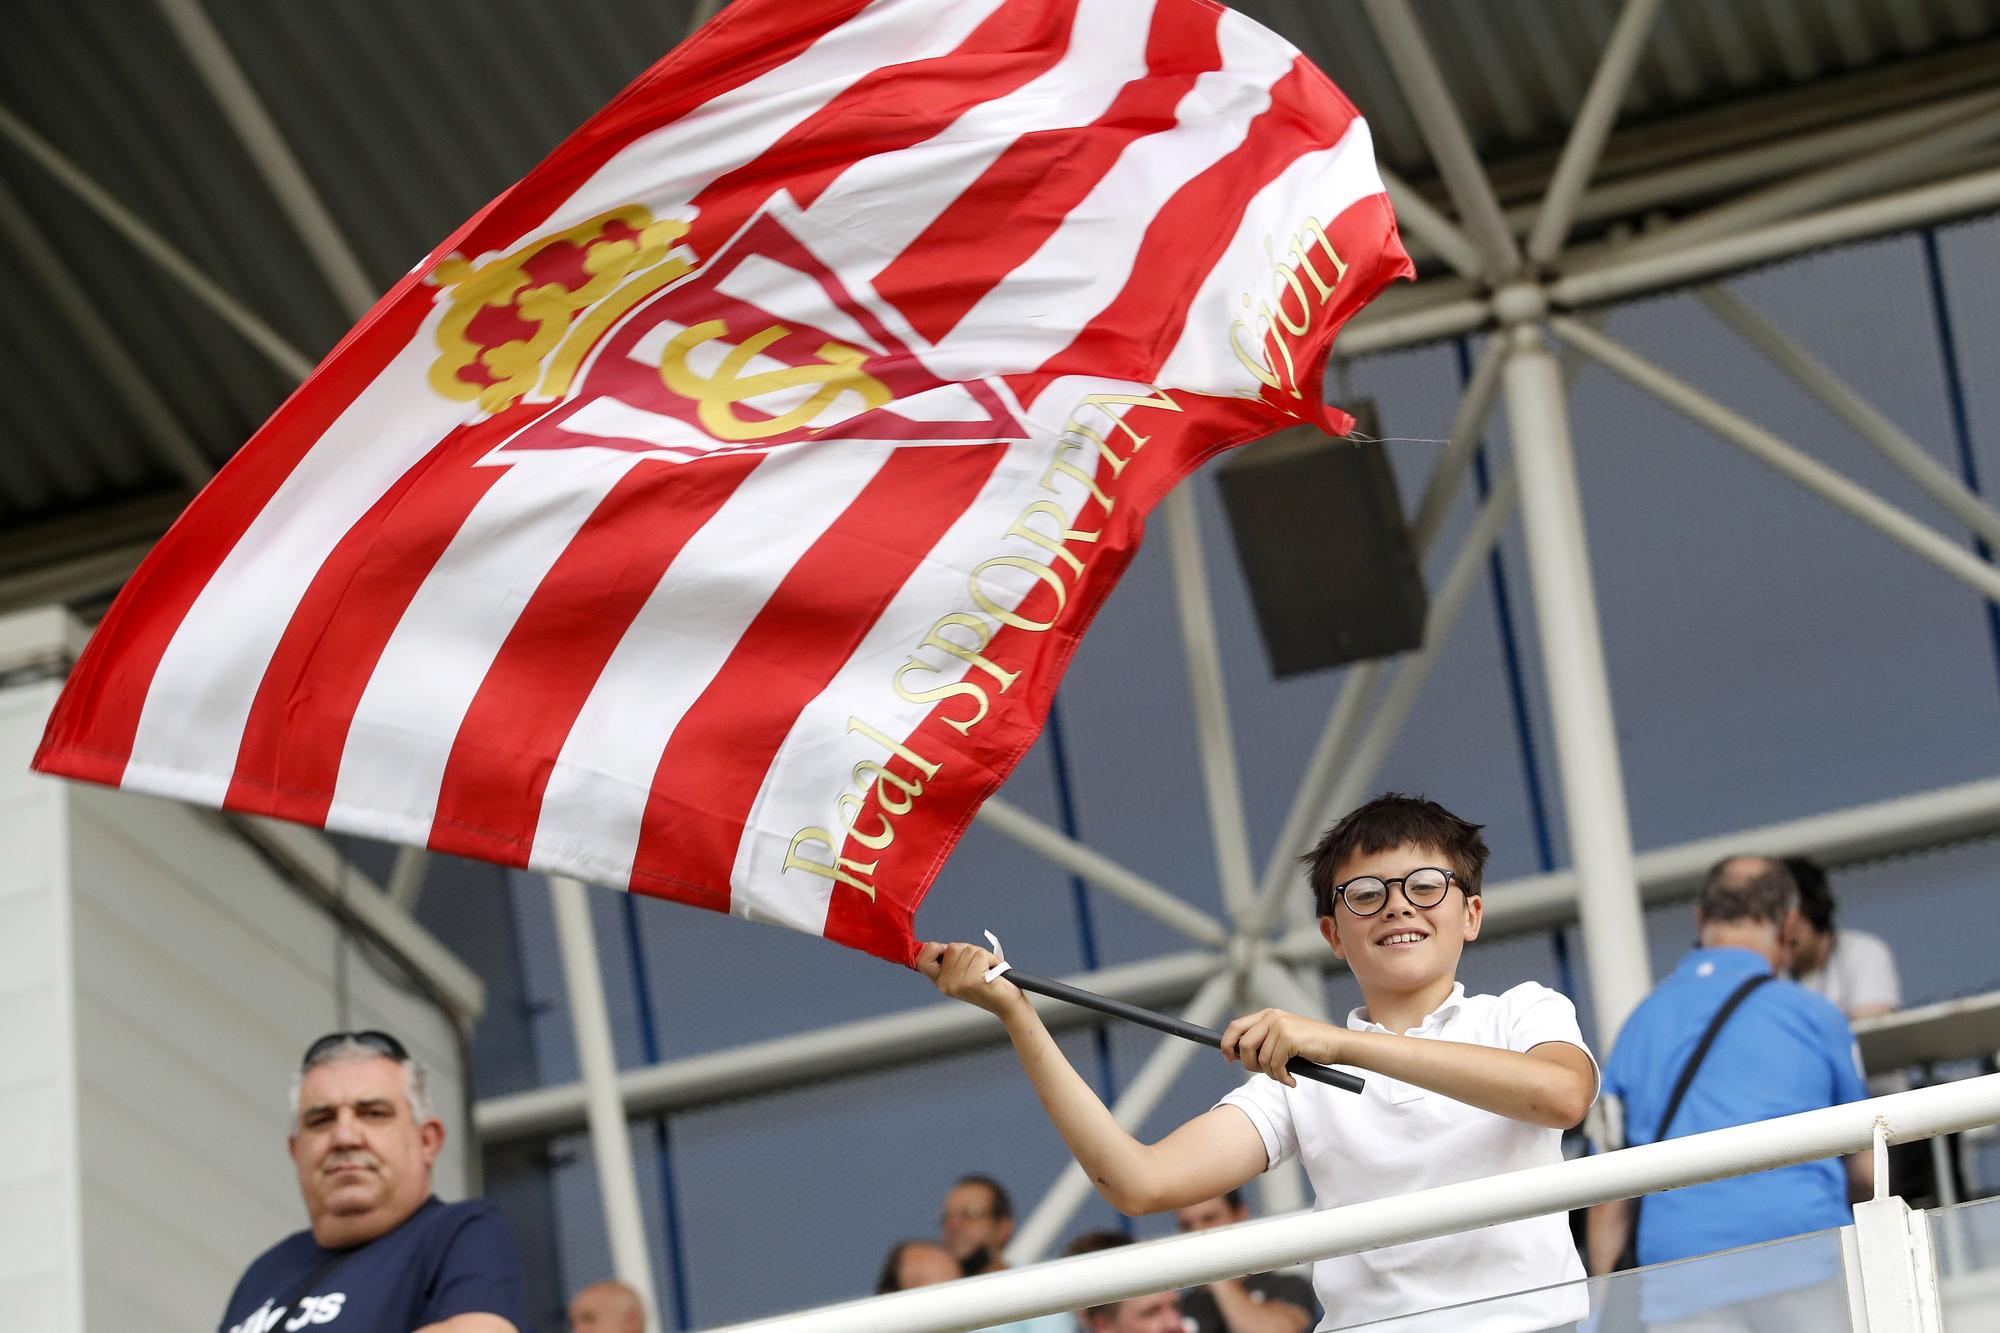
[[960, 636], [1272, 323], [868, 775]]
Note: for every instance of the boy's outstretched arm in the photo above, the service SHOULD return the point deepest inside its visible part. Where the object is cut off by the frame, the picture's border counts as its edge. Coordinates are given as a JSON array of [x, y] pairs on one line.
[[1209, 1155], [1552, 1084]]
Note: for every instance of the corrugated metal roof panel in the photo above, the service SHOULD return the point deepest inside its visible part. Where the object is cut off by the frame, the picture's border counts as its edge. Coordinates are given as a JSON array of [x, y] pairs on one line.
[[408, 117]]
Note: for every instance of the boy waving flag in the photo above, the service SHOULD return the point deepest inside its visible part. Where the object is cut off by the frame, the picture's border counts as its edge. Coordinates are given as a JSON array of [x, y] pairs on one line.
[[1462, 1086], [714, 514]]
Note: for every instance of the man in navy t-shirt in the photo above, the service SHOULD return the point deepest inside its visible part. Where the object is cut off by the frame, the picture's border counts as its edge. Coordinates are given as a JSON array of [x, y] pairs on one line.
[[383, 1254]]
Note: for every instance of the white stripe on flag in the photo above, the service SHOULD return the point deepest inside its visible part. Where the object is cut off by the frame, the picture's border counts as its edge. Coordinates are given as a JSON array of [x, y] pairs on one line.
[[1084, 265], [199, 702], [442, 648], [596, 797], [892, 197], [740, 124]]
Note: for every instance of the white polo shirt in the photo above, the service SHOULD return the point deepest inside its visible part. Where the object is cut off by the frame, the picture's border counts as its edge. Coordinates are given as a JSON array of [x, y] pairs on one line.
[[1394, 1138]]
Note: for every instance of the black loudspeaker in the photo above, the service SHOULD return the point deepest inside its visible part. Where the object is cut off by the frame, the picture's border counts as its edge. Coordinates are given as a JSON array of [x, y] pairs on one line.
[[1319, 529]]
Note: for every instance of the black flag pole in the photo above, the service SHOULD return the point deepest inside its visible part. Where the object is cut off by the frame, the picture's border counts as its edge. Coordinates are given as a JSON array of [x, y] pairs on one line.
[[1299, 1066]]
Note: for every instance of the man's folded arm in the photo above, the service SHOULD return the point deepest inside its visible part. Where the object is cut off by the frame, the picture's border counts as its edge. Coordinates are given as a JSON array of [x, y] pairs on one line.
[[471, 1323]]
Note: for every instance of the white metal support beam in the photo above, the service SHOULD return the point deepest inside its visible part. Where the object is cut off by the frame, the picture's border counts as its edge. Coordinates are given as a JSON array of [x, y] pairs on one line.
[[1899, 1287], [1892, 165], [1768, 449], [1615, 277], [406, 878], [1674, 874], [1220, 779], [1594, 120], [260, 335], [610, 1141], [1438, 118], [267, 147], [1593, 786], [1890, 440], [1154, 1080], [838, 1051], [1606, 275], [1101, 872], [1426, 224]]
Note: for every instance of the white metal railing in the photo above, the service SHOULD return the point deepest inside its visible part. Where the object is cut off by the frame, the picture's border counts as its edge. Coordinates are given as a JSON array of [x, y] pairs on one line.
[[1183, 1261]]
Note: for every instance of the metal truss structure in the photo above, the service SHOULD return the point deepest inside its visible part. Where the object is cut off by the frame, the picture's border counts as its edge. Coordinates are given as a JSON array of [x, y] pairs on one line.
[[1512, 274], [1515, 277]]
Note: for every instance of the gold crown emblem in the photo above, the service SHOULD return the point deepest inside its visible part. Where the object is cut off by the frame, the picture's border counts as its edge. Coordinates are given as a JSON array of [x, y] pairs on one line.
[[518, 324]]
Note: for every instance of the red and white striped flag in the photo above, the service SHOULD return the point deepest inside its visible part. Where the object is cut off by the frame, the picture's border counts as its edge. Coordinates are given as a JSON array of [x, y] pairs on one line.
[[715, 513]]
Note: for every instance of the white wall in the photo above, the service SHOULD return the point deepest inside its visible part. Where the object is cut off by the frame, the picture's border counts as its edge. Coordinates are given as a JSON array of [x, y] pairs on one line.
[[40, 1250], [158, 981]]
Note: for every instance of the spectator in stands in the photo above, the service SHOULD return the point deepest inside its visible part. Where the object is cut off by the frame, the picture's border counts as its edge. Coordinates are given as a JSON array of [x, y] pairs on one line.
[[976, 1223], [916, 1263], [1260, 1303], [1852, 968], [1778, 1050], [1158, 1313], [607, 1307], [381, 1251]]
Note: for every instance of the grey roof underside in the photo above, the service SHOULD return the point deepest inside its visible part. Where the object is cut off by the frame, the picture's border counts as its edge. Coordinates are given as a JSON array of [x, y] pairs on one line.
[[408, 115]]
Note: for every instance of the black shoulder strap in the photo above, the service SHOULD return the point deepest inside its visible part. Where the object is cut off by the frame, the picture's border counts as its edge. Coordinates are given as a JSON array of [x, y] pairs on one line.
[[1700, 1051]]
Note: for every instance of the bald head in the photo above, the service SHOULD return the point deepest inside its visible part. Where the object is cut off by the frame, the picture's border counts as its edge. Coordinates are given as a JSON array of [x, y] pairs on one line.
[[607, 1307], [1747, 888]]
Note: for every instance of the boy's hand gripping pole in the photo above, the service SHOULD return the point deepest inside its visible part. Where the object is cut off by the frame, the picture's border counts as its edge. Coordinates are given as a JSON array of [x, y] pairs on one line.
[[1299, 1066]]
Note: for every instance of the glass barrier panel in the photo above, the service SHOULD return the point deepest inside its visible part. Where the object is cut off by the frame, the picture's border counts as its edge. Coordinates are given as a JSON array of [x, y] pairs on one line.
[[1965, 1240], [1783, 1286]]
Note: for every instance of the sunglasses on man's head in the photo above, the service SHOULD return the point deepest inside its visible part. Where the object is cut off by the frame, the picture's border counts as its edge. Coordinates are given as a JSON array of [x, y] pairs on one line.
[[380, 1042]]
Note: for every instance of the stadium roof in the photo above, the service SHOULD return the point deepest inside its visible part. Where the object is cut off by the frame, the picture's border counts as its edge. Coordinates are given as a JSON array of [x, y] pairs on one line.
[[293, 159]]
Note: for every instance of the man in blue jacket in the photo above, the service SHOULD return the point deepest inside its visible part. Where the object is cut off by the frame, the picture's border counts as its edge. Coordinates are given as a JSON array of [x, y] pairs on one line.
[[1782, 1050], [382, 1251]]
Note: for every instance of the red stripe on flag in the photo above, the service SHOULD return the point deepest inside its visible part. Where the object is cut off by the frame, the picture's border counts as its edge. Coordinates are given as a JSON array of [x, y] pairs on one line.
[[887, 110], [1006, 215], [742, 43], [491, 798], [91, 732], [1130, 338], [716, 760], [297, 730]]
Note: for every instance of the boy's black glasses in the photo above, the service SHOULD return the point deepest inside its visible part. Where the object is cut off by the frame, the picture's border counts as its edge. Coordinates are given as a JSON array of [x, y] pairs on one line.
[[1365, 895], [373, 1040]]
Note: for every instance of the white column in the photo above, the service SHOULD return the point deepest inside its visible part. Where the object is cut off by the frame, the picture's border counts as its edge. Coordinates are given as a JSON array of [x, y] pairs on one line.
[[610, 1143], [1614, 935]]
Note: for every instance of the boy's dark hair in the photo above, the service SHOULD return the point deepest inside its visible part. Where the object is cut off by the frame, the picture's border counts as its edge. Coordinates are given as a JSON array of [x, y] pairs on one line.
[[1747, 888], [1090, 1242], [1003, 1207], [1815, 895], [1392, 820]]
